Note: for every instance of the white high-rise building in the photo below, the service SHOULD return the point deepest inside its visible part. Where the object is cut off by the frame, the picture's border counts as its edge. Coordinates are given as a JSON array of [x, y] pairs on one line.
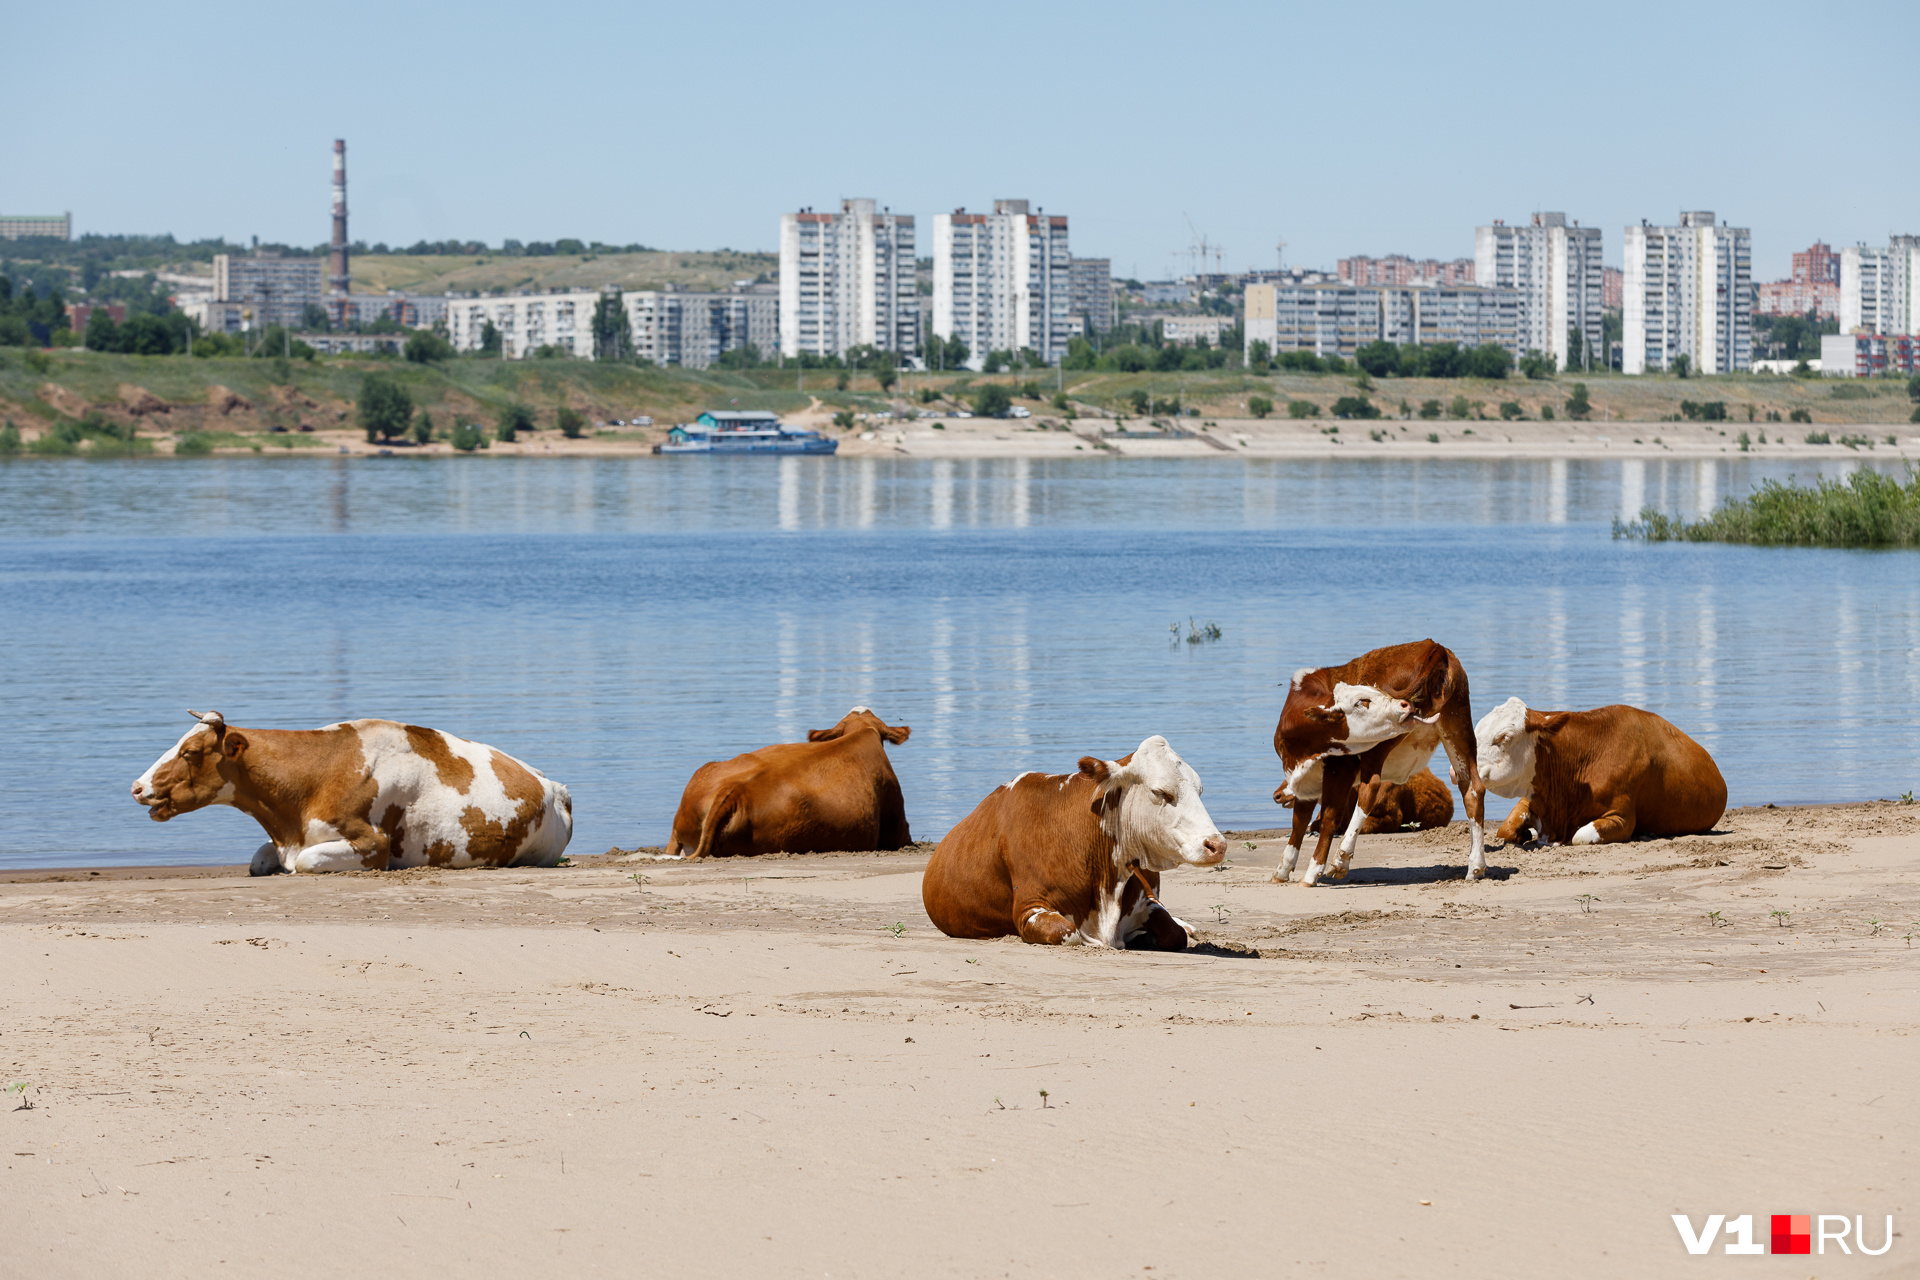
[[1688, 291], [1003, 281], [1557, 270], [1880, 288], [847, 280]]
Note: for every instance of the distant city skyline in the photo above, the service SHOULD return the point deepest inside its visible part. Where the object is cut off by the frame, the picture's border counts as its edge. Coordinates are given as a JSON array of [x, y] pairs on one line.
[[490, 122]]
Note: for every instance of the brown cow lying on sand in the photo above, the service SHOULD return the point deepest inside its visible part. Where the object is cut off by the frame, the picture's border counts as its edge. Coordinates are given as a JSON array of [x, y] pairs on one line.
[[1348, 733], [1076, 857], [835, 791], [1599, 776], [364, 795], [1422, 802]]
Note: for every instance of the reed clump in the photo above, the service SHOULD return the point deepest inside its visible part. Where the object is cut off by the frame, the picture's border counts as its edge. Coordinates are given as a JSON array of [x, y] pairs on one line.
[[1867, 509]]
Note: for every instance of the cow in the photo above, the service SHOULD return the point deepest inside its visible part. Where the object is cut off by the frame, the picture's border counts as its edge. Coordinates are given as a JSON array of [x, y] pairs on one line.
[[835, 791], [1076, 857], [1599, 776], [1348, 733], [1423, 802], [364, 795]]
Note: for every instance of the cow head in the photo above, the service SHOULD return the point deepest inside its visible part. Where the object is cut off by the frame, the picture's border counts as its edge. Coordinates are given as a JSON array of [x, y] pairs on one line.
[[199, 771], [1506, 742], [1149, 802], [861, 718], [1372, 716]]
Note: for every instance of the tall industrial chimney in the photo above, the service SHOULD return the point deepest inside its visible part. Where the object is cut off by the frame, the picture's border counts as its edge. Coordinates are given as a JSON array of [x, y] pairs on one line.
[[338, 280]]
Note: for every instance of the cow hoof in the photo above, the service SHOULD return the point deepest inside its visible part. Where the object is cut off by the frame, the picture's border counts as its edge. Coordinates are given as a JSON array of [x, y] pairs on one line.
[[1280, 877], [1476, 873]]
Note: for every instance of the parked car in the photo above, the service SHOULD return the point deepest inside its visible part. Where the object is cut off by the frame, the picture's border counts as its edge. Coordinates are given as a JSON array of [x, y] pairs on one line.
[[641, 421], [1019, 411], [963, 413]]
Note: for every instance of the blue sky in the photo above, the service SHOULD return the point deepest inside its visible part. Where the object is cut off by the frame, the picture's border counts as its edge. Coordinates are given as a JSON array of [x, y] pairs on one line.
[[1344, 129]]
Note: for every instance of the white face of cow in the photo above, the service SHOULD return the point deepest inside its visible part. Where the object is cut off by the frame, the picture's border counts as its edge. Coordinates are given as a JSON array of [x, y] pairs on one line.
[[1504, 746], [1372, 716], [1161, 822]]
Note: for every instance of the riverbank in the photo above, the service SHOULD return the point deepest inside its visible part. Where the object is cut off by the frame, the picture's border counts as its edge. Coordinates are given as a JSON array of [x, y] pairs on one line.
[[777, 1065]]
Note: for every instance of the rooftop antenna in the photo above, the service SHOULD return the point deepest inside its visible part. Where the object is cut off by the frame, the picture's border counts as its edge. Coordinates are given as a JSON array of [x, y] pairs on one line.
[[1280, 257]]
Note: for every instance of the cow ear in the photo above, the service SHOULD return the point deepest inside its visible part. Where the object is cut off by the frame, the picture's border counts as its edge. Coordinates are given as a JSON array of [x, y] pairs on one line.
[[896, 734], [1095, 769], [1554, 722], [821, 735], [233, 744]]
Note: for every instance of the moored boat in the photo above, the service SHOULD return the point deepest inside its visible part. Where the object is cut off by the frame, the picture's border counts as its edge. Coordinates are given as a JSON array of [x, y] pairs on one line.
[[749, 431]]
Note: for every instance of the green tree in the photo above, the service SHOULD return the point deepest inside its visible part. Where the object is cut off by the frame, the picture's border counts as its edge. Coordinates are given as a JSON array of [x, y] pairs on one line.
[[1446, 360], [844, 419], [423, 428], [513, 419], [102, 333], [1127, 358], [1259, 406], [1683, 365], [612, 331], [1510, 409], [1380, 358], [1489, 361], [886, 377], [466, 437], [1412, 361], [424, 346], [1354, 407], [489, 339], [992, 401], [1080, 355], [9, 438], [1913, 387], [1302, 409], [1139, 400], [572, 423], [384, 408], [1578, 406], [1459, 408], [1536, 365], [1259, 355], [1430, 409]]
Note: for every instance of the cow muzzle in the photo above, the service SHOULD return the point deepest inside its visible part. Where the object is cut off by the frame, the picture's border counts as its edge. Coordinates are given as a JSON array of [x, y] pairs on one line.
[[156, 806], [1212, 850]]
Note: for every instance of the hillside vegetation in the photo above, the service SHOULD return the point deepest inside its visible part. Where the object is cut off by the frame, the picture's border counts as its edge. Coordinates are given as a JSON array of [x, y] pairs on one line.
[[484, 273], [1867, 509]]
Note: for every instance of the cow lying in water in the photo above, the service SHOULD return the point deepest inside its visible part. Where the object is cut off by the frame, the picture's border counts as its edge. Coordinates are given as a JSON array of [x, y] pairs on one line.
[[1422, 802], [1599, 776], [835, 791], [364, 795], [1076, 857], [1348, 733]]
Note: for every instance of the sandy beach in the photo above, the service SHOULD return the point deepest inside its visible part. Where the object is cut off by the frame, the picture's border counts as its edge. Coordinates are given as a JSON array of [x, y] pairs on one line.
[[778, 1067]]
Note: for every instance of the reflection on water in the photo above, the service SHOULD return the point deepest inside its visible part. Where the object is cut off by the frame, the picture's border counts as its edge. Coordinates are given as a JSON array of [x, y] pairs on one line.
[[618, 622]]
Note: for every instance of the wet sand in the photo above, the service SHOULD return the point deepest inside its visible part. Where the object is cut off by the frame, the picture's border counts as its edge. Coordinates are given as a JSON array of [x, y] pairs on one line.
[[778, 1067]]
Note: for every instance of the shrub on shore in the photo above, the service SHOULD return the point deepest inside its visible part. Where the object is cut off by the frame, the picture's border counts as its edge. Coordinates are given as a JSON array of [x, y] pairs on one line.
[[1867, 509]]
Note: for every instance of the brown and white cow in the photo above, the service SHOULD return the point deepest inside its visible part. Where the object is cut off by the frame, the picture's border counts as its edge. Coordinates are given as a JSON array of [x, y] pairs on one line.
[[364, 795], [1423, 802], [1599, 776], [1347, 733], [1076, 857], [835, 791]]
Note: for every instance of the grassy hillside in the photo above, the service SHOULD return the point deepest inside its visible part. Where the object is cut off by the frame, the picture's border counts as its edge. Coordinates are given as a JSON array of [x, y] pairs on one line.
[[174, 394], [484, 273]]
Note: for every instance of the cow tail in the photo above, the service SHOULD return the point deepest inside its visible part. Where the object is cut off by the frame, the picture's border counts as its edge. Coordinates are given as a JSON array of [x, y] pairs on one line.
[[720, 808]]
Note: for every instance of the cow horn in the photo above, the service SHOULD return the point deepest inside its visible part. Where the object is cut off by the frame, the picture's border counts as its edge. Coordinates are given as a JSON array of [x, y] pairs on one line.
[[1432, 719], [213, 719]]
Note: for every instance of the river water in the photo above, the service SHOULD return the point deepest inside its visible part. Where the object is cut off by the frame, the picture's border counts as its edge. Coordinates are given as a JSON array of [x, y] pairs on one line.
[[616, 622]]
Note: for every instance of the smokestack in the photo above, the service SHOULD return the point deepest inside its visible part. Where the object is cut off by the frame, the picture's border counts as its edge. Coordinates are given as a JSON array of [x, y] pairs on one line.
[[338, 280]]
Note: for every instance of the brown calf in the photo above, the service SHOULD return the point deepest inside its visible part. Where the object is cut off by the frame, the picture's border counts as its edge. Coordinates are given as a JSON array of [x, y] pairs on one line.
[[1076, 857], [1599, 776], [1348, 733], [835, 791]]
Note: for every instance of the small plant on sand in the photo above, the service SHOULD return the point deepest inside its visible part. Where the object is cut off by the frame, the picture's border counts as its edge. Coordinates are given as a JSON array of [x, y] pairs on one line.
[[640, 881], [20, 1087], [1586, 901], [1220, 912], [1782, 918], [1251, 846], [1876, 926], [897, 928], [1715, 919], [1906, 797], [1043, 1099]]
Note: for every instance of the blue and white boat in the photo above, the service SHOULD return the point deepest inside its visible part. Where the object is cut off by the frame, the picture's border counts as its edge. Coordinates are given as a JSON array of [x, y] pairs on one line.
[[748, 431]]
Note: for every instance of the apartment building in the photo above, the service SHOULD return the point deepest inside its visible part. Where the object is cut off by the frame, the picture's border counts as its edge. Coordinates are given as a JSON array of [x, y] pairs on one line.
[[1555, 265], [1868, 355], [1613, 288], [666, 326], [1880, 288], [847, 280], [1337, 320], [1814, 287], [1397, 270], [1003, 281], [1187, 331], [1090, 286], [409, 310], [275, 290], [15, 226], [1688, 291]]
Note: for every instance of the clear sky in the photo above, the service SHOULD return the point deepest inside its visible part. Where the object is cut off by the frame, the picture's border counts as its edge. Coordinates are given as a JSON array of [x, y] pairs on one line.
[[1342, 128]]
